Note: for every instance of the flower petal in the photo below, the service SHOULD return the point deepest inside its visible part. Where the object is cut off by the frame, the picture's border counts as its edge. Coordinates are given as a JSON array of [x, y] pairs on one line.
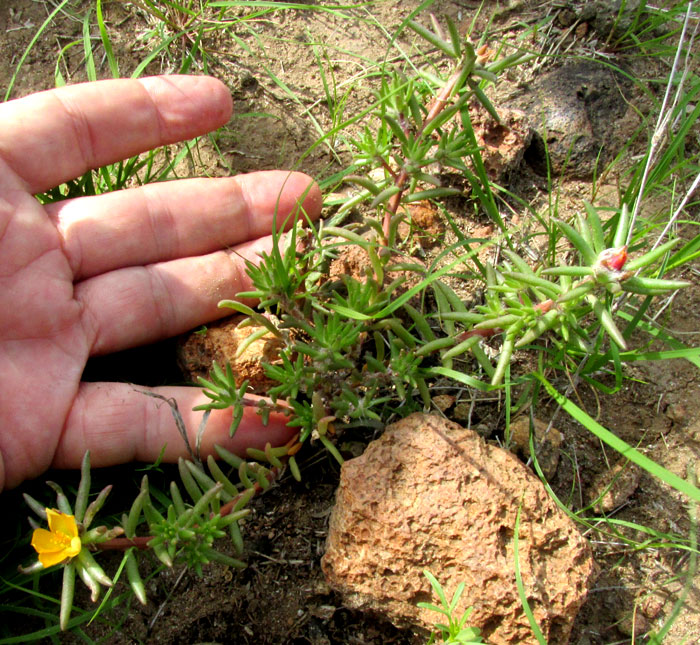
[[61, 523], [74, 548], [45, 541], [51, 558]]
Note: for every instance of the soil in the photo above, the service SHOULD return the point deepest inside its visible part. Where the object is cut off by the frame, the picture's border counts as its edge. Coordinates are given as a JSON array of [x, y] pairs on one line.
[[281, 597]]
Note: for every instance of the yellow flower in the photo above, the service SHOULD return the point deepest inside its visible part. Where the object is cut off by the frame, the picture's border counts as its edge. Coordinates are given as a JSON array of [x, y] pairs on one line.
[[60, 542]]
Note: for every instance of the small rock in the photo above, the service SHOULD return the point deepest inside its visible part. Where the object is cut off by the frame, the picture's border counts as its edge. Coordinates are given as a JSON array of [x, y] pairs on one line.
[[676, 412], [633, 624], [463, 411], [615, 486], [430, 494], [565, 18], [352, 261], [502, 145], [443, 401], [652, 604], [574, 111], [219, 343], [587, 12], [425, 223], [547, 443], [324, 612]]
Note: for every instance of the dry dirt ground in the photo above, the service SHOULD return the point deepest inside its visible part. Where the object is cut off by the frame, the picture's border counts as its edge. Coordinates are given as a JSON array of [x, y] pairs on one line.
[[281, 598]]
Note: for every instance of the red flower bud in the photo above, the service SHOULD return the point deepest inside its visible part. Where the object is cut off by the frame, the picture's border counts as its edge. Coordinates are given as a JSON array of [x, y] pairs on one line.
[[613, 259]]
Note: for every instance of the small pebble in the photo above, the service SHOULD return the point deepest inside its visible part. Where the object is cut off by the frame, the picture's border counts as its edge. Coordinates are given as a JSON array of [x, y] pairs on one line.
[[676, 412], [443, 401], [619, 483]]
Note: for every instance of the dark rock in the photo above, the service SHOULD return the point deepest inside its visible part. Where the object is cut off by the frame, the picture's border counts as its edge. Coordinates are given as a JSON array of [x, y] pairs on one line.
[[613, 21], [612, 488], [565, 18], [574, 111], [502, 144]]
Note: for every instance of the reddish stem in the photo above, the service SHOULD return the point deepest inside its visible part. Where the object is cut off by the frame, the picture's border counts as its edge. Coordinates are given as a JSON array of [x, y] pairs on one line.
[[141, 542], [122, 544], [400, 181], [544, 306], [388, 168], [484, 333]]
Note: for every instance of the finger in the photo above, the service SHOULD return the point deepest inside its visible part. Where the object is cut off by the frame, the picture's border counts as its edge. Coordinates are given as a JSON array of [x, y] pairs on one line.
[[118, 422], [54, 136], [178, 219], [139, 305]]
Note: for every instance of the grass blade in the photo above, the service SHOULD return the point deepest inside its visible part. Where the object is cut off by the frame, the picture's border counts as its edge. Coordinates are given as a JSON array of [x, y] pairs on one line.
[[666, 338], [87, 48], [106, 42], [31, 44], [519, 582]]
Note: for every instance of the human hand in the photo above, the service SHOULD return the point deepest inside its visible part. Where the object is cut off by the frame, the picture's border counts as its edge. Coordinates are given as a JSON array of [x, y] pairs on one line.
[[98, 274]]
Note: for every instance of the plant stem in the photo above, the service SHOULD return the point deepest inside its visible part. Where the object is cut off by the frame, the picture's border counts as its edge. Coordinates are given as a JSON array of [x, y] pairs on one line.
[[400, 180], [123, 543], [141, 542]]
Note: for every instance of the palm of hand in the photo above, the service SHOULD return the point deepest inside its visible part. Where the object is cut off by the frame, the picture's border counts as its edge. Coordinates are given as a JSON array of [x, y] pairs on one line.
[[43, 342], [99, 274]]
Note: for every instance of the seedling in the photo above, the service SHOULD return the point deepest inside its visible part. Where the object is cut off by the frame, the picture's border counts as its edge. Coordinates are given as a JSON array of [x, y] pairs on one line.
[[454, 632]]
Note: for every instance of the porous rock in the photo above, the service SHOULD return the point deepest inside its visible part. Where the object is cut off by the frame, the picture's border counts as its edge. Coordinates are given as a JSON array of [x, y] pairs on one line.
[[502, 144], [430, 494], [424, 224], [219, 343], [353, 261], [576, 111]]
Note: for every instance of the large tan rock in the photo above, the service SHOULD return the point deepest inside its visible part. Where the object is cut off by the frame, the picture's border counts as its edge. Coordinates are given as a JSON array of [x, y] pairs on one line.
[[430, 494]]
